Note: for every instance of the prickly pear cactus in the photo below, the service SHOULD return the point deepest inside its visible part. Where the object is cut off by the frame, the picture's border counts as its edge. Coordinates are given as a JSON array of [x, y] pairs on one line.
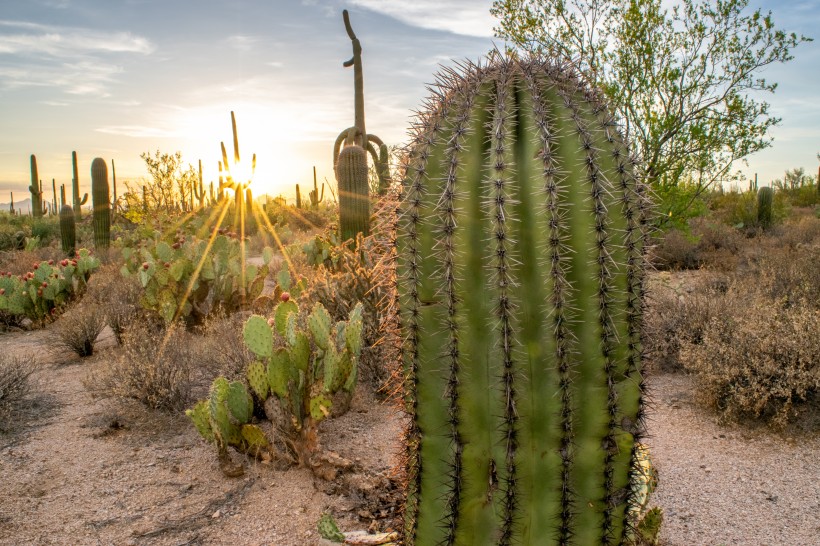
[[520, 266], [101, 204], [68, 230], [298, 382]]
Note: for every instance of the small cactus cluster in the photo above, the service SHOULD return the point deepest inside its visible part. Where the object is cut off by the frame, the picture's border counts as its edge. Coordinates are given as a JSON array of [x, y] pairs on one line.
[[314, 195], [38, 294], [190, 278], [305, 371]]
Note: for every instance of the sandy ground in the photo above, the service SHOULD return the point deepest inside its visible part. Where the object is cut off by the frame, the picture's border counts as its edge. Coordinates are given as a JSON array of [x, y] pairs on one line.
[[82, 471]]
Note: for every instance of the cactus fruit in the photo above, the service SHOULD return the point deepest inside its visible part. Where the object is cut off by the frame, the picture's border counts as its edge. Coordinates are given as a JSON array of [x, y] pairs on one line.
[[520, 281], [36, 190], [75, 186], [101, 204], [68, 230], [765, 196], [354, 201]]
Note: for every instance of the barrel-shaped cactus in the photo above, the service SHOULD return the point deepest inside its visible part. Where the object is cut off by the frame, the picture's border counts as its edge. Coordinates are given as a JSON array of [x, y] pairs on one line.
[[101, 204], [765, 196], [68, 230], [354, 200], [520, 266]]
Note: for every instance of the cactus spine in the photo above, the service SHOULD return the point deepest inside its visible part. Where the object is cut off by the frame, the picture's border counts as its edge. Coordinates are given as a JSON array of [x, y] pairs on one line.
[[68, 230], [765, 196], [75, 183], [36, 190], [101, 204], [520, 266]]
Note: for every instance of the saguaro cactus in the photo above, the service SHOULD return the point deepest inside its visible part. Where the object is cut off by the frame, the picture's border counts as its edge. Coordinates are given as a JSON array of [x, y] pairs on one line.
[[520, 266], [313, 194], [101, 203], [765, 196], [36, 190], [75, 185], [68, 230], [352, 205]]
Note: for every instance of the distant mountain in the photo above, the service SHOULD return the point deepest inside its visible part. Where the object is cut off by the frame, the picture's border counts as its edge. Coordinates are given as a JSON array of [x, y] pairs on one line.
[[24, 206]]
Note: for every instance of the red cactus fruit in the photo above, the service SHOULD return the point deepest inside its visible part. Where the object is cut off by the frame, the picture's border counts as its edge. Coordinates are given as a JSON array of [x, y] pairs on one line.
[[285, 296], [145, 265]]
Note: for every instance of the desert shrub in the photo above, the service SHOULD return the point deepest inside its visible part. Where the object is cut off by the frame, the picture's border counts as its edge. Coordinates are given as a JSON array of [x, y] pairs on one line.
[[14, 386], [799, 232], [116, 297], [46, 229], [675, 250], [761, 363], [717, 244], [221, 339], [154, 369], [673, 320], [78, 329]]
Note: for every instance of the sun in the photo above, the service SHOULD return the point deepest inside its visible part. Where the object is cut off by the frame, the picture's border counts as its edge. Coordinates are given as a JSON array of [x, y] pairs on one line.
[[278, 167]]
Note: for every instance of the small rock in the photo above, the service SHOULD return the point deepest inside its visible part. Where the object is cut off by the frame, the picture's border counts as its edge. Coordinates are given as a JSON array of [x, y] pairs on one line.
[[216, 514]]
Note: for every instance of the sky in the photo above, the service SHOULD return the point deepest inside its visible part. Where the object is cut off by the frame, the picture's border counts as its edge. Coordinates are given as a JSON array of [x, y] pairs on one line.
[[117, 78]]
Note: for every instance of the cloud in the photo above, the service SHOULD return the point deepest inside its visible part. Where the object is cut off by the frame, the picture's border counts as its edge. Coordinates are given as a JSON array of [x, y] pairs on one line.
[[465, 17], [37, 39], [136, 131], [76, 60], [84, 77]]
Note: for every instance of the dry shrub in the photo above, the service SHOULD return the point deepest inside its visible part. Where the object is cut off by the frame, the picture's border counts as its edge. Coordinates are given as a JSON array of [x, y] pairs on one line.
[[762, 363], [675, 251], [718, 244], [156, 368], [117, 297], [14, 387], [798, 233], [77, 330], [223, 347], [672, 320]]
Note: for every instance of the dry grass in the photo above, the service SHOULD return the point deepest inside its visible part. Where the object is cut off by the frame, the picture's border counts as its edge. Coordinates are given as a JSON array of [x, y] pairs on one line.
[[77, 329], [117, 298], [15, 387]]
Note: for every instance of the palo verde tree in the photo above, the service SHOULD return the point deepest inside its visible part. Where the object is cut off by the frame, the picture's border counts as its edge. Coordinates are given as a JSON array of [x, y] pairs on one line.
[[685, 81], [167, 188]]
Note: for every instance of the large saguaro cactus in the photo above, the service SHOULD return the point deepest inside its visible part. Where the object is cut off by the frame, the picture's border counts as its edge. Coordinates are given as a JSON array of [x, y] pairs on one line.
[[520, 266], [350, 166], [101, 204]]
